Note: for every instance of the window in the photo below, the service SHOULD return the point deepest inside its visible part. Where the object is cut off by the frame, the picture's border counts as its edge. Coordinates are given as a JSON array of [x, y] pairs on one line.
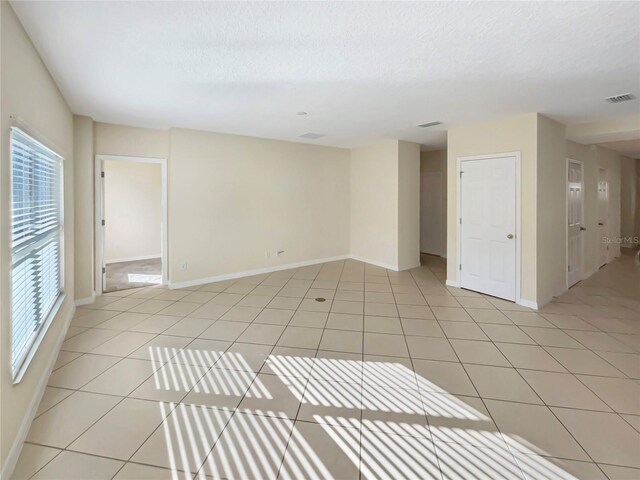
[[36, 244]]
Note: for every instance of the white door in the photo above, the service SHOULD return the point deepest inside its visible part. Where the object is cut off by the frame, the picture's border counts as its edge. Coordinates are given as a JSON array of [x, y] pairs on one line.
[[575, 219], [603, 215], [430, 213], [488, 226]]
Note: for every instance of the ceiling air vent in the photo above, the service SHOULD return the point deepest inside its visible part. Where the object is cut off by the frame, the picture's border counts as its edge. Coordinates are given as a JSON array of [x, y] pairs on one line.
[[625, 97], [312, 135], [430, 124]]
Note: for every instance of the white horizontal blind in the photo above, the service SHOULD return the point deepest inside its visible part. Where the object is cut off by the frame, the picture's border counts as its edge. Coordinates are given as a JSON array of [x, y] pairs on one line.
[[36, 238]]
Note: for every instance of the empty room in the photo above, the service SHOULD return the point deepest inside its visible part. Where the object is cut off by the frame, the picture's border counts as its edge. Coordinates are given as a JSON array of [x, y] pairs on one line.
[[319, 240]]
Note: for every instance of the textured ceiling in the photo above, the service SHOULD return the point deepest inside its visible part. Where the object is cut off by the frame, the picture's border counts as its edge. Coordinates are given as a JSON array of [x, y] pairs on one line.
[[362, 71]]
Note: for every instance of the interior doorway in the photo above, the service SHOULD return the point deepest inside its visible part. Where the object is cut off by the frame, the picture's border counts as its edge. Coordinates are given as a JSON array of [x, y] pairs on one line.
[[603, 215], [131, 222], [575, 222], [431, 213], [488, 228]]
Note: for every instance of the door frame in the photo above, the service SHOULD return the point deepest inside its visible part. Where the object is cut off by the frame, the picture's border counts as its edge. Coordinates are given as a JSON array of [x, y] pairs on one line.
[[99, 214], [566, 219], [607, 216], [441, 235], [459, 161]]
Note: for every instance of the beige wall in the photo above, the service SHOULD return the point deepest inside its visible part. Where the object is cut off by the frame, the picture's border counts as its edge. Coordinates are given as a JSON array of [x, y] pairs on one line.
[[374, 208], [235, 201], [232, 199], [435, 161], [133, 211], [544, 150], [637, 230], [29, 93], [628, 198], [408, 205], [289, 196], [593, 157], [506, 135], [612, 162], [84, 210], [385, 204], [130, 141], [551, 275]]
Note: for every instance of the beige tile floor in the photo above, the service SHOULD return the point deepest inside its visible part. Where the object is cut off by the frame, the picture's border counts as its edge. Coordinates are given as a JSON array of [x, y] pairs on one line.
[[392, 376]]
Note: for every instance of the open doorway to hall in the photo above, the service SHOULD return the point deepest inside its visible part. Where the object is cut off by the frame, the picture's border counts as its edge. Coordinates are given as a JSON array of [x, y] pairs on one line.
[[132, 223], [433, 203]]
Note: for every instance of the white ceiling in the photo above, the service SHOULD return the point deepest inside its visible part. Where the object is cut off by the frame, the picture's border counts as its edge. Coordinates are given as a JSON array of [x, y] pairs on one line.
[[362, 71]]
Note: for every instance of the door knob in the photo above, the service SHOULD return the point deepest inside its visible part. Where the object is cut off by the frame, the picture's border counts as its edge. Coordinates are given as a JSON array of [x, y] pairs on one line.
[[510, 236], [582, 229], [601, 224]]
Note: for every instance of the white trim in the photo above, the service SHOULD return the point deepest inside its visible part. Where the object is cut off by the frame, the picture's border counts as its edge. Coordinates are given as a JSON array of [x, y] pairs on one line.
[[388, 266], [528, 303], [566, 220], [607, 225], [258, 271], [459, 160], [133, 259], [86, 301], [25, 425], [402, 268], [19, 369], [99, 231], [452, 283], [17, 122]]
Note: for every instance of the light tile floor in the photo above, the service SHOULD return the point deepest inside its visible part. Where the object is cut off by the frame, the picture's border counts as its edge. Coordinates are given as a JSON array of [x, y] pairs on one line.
[[392, 376]]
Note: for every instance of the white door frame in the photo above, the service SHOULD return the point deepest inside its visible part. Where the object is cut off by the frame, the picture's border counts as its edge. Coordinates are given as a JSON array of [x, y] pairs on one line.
[[459, 162], [442, 243], [607, 214], [99, 230], [566, 218]]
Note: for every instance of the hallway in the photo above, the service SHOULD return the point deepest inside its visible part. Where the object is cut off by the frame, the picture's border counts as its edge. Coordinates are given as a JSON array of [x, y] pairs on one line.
[[394, 375]]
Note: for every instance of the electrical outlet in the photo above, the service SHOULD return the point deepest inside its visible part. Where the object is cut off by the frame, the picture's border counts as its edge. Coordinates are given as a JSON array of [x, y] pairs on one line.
[[184, 266]]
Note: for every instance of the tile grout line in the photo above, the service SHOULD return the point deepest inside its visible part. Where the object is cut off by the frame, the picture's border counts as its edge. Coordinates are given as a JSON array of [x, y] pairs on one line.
[[318, 349]]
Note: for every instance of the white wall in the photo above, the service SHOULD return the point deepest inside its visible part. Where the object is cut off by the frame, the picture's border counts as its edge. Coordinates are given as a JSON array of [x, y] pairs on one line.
[[29, 93], [232, 199], [133, 211], [435, 161]]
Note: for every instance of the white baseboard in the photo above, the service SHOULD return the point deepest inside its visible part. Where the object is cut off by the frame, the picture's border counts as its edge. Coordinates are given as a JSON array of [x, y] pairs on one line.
[[452, 283], [16, 448], [408, 267], [527, 303], [388, 266], [249, 273], [132, 259], [86, 301]]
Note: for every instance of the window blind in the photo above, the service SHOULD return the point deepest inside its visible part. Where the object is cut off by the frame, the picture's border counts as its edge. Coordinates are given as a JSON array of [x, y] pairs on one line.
[[36, 240]]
